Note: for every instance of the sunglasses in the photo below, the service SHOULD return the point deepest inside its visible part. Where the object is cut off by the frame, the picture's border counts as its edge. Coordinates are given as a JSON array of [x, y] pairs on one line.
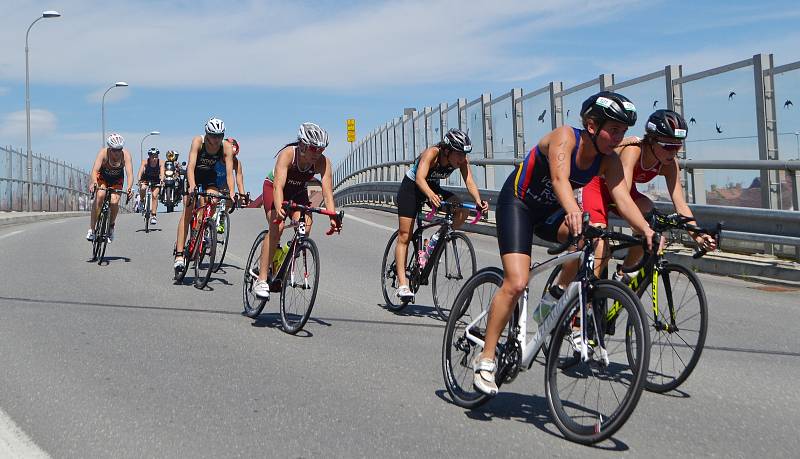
[[313, 149], [669, 146], [216, 136]]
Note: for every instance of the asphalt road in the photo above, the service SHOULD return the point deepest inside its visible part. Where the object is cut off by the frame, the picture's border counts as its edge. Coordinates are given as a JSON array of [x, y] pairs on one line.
[[116, 361]]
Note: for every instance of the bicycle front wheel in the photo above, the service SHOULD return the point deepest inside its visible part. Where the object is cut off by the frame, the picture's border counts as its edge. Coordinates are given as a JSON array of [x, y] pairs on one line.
[[252, 304], [99, 235], [458, 351], [389, 281], [299, 288], [205, 251], [590, 400], [104, 227], [222, 239], [455, 265], [678, 320]]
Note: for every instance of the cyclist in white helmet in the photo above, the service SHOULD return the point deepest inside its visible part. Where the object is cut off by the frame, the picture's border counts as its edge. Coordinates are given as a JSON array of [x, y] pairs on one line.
[[205, 152], [107, 172], [297, 164]]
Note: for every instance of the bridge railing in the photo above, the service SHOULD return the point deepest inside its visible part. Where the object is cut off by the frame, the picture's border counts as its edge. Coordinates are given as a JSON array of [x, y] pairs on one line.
[[57, 186]]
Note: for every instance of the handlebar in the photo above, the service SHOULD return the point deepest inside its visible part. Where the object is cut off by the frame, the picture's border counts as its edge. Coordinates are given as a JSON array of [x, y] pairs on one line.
[[112, 191], [448, 207], [662, 222], [292, 206]]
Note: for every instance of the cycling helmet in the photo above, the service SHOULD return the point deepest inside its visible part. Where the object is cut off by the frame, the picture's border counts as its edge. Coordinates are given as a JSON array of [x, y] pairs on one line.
[[458, 140], [172, 155], [312, 135], [235, 145], [115, 141], [215, 126], [606, 105], [153, 152], [666, 123]]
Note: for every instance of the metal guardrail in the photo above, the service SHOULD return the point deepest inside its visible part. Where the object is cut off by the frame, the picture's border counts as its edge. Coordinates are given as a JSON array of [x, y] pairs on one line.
[[57, 186]]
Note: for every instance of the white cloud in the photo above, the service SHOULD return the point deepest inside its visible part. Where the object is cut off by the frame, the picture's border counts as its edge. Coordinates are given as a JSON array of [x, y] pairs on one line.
[[287, 44], [13, 127]]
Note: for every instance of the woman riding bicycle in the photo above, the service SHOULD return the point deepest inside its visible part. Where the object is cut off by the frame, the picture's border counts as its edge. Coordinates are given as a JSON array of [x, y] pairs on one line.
[[422, 182], [201, 174], [297, 164], [642, 161], [150, 172], [538, 198], [107, 172]]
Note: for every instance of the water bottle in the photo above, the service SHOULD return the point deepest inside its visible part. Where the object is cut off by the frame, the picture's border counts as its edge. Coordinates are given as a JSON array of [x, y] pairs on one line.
[[422, 254], [547, 304], [280, 255], [431, 244]]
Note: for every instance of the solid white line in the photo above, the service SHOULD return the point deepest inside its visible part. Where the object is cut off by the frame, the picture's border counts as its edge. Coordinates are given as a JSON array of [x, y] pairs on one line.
[[14, 442], [10, 234]]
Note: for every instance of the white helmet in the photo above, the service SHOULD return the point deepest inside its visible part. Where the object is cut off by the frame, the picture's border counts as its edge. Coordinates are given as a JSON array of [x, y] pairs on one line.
[[215, 126], [313, 135], [115, 141]]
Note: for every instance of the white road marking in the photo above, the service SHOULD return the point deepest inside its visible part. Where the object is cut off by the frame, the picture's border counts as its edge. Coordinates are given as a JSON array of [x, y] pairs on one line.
[[10, 234], [14, 442]]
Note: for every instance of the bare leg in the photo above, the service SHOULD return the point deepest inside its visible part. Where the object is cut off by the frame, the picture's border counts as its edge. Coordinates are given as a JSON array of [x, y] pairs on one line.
[[516, 268], [99, 196], [401, 249]]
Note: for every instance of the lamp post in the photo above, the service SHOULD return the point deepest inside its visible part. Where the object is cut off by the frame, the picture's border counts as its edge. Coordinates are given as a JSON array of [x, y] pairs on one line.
[[45, 15], [142, 144], [118, 84], [797, 137]]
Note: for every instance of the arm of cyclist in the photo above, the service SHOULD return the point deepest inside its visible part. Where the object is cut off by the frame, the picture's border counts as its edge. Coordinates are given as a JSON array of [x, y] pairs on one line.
[[196, 143], [472, 188], [327, 194], [237, 166], [559, 145], [161, 172], [141, 169], [425, 161], [227, 150], [621, 194], [672, 176], [98, 163], [128, 172], [279, 181]]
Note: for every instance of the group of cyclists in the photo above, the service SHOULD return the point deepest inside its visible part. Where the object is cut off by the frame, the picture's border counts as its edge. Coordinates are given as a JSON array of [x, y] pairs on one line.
[[538, 197]]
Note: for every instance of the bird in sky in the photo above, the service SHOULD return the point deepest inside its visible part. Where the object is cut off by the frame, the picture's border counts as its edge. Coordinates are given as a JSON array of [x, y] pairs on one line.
[[655, 102], [692, 120], [730, 95], [567, 113], [541, 117], [719, 129], [788, 104]]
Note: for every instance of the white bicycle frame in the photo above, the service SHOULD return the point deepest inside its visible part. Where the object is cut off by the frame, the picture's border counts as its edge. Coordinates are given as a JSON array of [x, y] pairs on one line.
[[532, 346]]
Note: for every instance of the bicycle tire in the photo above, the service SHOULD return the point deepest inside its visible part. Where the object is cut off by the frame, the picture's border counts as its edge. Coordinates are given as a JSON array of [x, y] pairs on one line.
[[224, 242], [205, 251], [293, 321], [389, 274], [443, 301], [586, 424], [252, 304], [457, 351], [691, 331], [146, 214], [104, 227]]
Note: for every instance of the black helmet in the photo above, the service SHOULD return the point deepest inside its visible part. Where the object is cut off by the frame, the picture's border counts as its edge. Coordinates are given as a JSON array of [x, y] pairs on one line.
[[153, 152], [667, 123], [458, 140], [606, 105]]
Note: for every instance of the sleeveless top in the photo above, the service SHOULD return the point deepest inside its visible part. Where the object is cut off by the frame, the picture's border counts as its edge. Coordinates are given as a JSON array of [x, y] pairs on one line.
[[642, 175], [153, 172], [435, 173], [206, 161], [295, 176], [112, 172], [532, 181]]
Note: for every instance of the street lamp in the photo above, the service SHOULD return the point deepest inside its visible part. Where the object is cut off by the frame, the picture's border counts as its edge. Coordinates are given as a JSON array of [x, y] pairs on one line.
[[797, 137], [118, 84], [45, 15], [142, 144]]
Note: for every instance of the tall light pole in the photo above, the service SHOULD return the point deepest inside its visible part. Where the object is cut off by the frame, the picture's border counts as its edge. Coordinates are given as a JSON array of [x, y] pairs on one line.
[[45, 15], [142, 144], [118, 84], [797, 137]]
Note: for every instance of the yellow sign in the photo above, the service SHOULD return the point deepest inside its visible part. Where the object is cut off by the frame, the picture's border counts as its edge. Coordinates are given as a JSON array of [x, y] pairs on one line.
[[351, 130]]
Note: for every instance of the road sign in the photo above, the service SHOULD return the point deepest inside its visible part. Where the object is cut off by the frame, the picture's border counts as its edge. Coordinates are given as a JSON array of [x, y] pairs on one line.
[[351, 130]]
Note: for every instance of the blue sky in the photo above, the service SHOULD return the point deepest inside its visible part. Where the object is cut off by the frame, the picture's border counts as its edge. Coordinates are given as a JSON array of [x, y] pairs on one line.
[[266, 66]]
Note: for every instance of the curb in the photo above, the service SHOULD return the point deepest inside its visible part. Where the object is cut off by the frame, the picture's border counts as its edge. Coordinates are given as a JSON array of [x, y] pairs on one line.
[[21, 218]]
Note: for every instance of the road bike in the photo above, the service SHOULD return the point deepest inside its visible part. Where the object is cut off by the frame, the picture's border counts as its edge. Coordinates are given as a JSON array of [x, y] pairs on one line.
[[102, 225], [222, 221], [677, 331], [297, 278], [201, 245], [593, 379], [146, 206], [451, 262]]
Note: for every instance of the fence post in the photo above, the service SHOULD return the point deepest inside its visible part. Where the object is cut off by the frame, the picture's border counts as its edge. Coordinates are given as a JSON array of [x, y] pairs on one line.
[[556, 104], [488, 146], [442, 121], [428, 128], [518, 125]]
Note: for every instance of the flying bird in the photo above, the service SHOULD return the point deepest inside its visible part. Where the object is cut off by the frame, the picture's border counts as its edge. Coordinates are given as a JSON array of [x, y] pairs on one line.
[[567, 113], [719, 129], [655, 102], [692, 120], [730, 95], [506, 115], [788, 104], [541, 117]]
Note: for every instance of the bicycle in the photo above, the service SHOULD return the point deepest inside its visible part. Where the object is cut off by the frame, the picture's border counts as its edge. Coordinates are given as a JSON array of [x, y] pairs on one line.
[[679, 332], [201, 245], [454, 246], [582, 360], [297, 274], [102, 225], [222, 220], [146, 207]]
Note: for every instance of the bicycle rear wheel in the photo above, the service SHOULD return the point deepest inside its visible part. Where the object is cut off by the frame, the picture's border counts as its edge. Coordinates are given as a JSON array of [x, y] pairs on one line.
[[97, 243], [104, 226], [299, 286], [205, 251], [456, 264], [678, 327], [389, 281], [458, 351], [253, 305], [222, 239], [591, 400], [146, 214]]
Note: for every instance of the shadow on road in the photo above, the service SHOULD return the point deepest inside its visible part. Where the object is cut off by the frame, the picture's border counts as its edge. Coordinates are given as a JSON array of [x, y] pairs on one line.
[[414, 310], [107, 260]]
